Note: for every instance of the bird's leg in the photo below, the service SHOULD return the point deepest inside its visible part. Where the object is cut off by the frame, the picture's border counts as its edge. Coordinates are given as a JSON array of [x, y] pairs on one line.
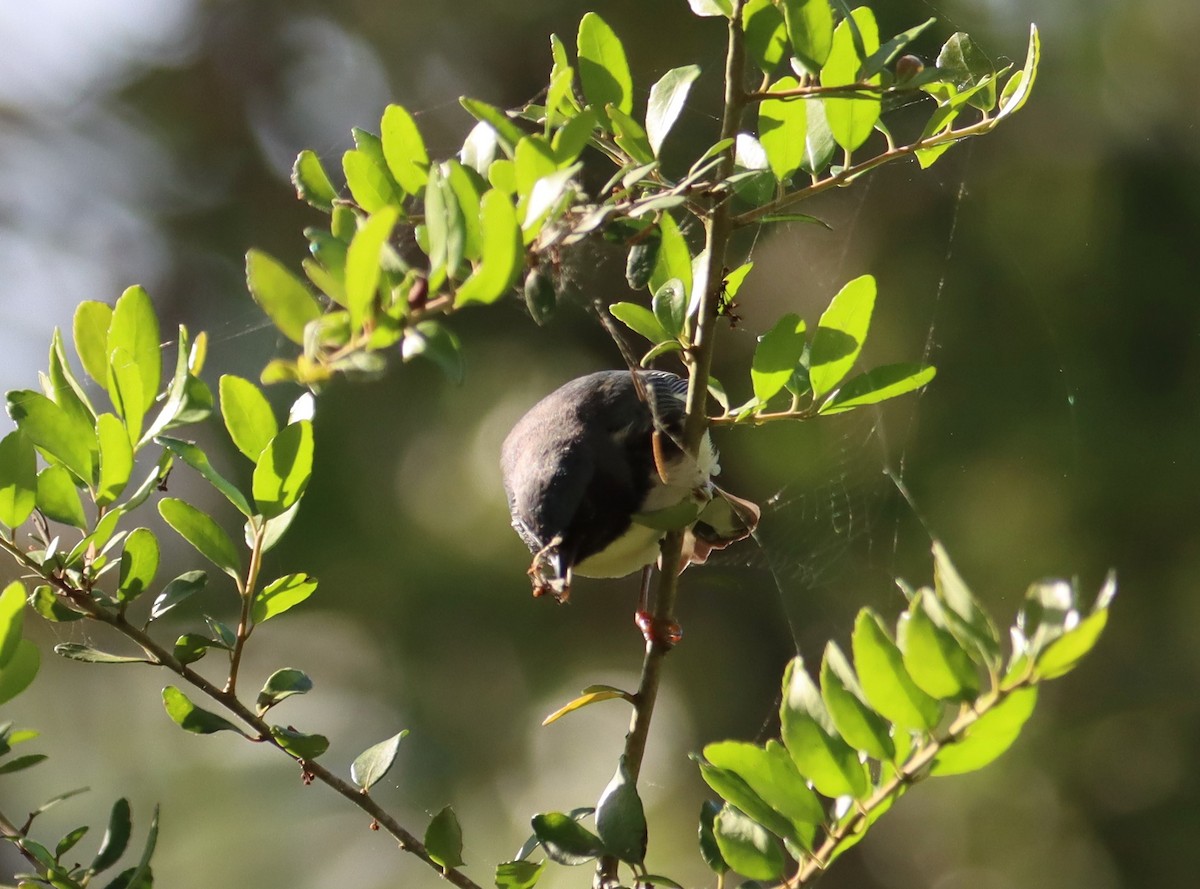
[[658, 633]]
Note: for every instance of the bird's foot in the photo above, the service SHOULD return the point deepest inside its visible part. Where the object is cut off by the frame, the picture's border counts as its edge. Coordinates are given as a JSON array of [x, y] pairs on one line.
[[664, 634]]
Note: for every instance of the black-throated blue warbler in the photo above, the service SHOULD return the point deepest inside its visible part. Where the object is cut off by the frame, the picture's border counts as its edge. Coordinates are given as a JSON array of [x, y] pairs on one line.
[[596, 476]]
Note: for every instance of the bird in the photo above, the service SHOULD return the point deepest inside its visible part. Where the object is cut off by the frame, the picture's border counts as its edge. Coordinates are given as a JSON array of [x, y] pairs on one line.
[[595, 476]]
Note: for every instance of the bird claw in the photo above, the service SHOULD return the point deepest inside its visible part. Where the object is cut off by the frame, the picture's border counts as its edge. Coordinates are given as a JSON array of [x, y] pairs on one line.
[[664, 634]]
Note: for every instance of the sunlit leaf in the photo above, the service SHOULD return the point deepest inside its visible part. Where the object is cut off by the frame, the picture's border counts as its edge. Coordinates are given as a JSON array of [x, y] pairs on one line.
[[299, 744], [861, 727], [674, 258], [518, 874], [1017, 90], [508, 133], [443, 839], [746, 846], [116, 458], [989, 736], [248, 415], [841, 333], [501, 252], [362, 264], [603, 68], [134, 332], [282, 595], [198, 460], [404, 149], [766, 34], [809, 30], [90, 332], [370, 183], [77, 651], [878, 384], [375, 762], [18, 478], [667, 98], [139, 564], [812, 740], [283, 296], [12, 619], [775, 358], [283, 469], [198, 529], [312, 182], [590, 697], [885, 683], [58, 498], [782, 129], [182, 587], [932, 656], [59, 434], [640, 320], [439, 344], [116, 837], [19, 670], [191, 718], [852, 119], [772, 774]]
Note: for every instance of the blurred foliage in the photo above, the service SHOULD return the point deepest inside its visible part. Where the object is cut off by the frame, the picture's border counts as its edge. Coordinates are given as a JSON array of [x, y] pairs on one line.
[[1049, 268]]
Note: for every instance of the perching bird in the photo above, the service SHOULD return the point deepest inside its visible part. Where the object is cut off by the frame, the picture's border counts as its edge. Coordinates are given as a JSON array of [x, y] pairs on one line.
[[590, 469]]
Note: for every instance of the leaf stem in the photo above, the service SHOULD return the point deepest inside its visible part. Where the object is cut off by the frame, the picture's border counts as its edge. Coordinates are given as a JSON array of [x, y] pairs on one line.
[[245, 625]]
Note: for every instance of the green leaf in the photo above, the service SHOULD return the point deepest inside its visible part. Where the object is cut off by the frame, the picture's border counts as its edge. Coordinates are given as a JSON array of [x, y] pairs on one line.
[[670, 306], [841, 333], [437, 343], [134, 331], [52, 608], [746, 846], [811, 738], [198, 460], [191, 718], [468, 188], [640, 320], [737, 793], [1061, 655], [620, 818], [643, 255], [298, 744], [501, 252], [443, 839], [861, 727], [851, 120], [282, 595], [312, 182], [182, 587], [674, 258], [139, 563], [280, 685], [973, 624], [116, 837], [68, 842], [506, 131], [375, 762], [76, 651], [810, 30], [362, 264], [445, 232], [883, 56], [566, 841], [518, 874], [878, 385], [18, 478], [775, 358], [885, 683], [279, 293], [198, 529], [782, 129], [58, 498], [989, 736], [21, 763], [932, 656], [1017, 90], [65, 390], [819, 144], [247, 414], [568, 143], [603, 68], [370, 183], [709, 850], [404, 149], [283, 469], [60, 435], [712, 7], [667, 98], [766, 34], [116, 458], [963, 64], [19, 670], [12, 620], [90, 332], [772, 774], [191, 647]]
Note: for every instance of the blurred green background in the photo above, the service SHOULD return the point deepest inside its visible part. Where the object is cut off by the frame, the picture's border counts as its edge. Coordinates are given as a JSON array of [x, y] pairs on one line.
[[1049, 270]]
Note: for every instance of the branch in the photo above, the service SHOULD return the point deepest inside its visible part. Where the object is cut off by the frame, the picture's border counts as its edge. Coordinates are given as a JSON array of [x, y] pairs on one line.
[[162, 657], [10, 831], [851, 172], [718, 229]]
